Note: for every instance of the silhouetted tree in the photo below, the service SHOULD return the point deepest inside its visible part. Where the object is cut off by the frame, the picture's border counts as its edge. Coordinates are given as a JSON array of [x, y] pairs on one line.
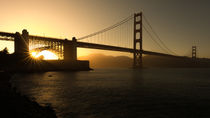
[[4, 51], [4, 58]]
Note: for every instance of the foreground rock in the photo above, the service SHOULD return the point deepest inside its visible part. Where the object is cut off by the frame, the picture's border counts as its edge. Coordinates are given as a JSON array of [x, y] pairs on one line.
[[14, 105]]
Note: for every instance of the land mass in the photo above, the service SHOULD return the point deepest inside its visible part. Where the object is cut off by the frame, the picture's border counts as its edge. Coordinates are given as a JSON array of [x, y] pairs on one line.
[[104, 61], [15, 105]]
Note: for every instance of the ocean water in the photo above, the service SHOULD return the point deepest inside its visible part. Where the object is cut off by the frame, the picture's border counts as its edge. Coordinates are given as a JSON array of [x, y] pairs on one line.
[[121, 93]]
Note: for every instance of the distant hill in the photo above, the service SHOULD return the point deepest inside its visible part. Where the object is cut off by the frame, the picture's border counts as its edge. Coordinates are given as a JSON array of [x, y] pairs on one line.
[[186, 62], [103, 61]]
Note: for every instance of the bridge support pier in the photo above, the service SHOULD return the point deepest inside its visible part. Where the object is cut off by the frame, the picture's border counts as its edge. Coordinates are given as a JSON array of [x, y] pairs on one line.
[[70, 50], [22, 43], [137, 54]]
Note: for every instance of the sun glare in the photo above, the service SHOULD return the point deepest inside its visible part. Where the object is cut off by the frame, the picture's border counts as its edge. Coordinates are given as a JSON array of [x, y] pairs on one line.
[[47, 55], [33, 54]]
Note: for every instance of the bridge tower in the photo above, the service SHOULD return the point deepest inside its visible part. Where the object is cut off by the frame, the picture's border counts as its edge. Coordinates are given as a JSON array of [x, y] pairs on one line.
[[70, 50], [137, 55], [194, 51]]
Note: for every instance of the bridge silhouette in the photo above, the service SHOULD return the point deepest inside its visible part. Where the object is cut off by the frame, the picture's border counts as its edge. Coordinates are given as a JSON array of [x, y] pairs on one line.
[[124, 36]]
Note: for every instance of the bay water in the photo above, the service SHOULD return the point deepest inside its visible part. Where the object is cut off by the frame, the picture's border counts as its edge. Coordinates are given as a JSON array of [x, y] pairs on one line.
[[121, 93]]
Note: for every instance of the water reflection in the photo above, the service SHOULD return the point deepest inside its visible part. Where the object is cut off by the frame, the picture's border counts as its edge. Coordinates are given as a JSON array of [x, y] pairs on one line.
[[105, 93]]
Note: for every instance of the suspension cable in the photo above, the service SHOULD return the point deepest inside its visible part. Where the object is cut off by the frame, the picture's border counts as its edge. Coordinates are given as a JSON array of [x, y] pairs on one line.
[[155, 40], [108, 28], [157, 35]]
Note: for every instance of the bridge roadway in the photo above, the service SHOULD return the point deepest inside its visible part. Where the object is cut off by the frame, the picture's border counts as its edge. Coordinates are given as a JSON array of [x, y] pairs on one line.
[[89, 45], [121, 49]]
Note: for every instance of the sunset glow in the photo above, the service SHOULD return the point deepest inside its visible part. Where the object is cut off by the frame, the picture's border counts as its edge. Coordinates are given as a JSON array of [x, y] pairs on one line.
[[34, 54], [47, 55], [75, 18], [105, 58]]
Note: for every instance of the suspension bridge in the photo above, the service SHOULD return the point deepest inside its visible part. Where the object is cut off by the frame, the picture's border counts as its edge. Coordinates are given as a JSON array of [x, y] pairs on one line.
[[124, 36]]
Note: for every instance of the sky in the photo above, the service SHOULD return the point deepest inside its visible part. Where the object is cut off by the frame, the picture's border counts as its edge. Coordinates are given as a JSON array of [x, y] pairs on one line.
[[179, 23]]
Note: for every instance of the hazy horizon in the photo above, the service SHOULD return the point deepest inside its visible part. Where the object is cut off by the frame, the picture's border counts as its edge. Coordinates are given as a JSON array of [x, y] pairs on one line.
[[98, 60], [180, 24]]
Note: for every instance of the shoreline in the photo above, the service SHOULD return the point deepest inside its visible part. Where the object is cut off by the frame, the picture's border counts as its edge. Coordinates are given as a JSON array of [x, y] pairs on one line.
[[13, 104]]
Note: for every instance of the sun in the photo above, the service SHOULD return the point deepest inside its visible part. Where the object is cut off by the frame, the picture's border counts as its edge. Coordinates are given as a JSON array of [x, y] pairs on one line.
[[45, 54], [33, 54]]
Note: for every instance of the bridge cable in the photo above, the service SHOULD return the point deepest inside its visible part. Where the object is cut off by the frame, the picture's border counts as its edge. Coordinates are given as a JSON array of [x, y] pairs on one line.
[[108, 28], [155, 40], [188, 53], [157, 35]]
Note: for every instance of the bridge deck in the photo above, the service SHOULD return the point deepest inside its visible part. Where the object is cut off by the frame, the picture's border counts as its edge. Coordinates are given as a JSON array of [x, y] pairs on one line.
[[121, 49], [88, 45], [6, 34]]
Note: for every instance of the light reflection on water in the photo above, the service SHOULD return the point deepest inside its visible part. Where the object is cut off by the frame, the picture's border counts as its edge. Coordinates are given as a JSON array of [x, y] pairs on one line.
[[106, 93]]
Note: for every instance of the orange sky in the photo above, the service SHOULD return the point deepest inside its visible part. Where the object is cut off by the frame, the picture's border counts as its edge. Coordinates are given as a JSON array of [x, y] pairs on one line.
[[174, 21]]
